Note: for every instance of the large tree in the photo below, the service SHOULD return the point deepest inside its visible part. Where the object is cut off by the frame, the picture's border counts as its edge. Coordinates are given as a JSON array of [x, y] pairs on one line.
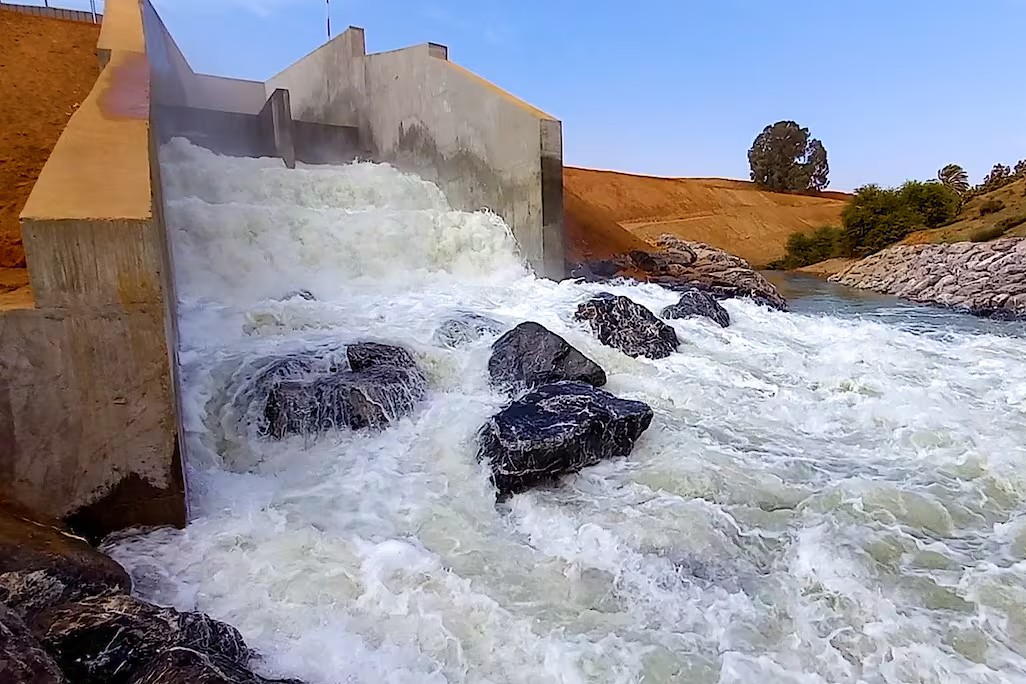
[[784, 158], [955, 177]]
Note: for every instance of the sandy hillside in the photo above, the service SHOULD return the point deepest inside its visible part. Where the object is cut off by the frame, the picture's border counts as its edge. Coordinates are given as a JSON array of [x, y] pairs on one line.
[[47, 66], [732, 215]]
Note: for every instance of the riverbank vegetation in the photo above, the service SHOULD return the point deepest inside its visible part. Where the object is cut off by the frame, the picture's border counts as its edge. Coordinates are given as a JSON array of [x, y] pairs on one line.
[[948, 209]]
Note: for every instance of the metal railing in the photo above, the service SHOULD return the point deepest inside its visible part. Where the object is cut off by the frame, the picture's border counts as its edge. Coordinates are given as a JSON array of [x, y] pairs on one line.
[[57, 9]]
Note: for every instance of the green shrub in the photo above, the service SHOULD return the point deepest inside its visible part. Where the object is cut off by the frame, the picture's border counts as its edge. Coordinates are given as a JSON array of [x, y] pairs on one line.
[[987, 234], [826, 242], [991, 206], [876, 218], [936, 203]]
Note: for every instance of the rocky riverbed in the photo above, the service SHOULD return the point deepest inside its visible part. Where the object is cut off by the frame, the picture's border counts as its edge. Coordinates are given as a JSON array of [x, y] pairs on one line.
[[984, 278]]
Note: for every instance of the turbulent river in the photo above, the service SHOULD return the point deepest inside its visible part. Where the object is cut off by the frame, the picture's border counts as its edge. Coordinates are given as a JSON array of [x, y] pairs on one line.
[[836, 494]]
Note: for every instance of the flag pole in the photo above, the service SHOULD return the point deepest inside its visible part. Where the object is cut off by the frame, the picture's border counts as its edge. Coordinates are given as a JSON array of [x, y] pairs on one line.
[[328, 3]]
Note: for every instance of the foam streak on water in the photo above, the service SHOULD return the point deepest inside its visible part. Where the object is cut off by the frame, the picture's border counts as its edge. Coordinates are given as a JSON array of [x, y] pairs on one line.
[[819, 499]]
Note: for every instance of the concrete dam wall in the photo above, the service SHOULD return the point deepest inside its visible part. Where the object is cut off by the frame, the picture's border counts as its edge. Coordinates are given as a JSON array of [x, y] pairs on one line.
[[89, 415]]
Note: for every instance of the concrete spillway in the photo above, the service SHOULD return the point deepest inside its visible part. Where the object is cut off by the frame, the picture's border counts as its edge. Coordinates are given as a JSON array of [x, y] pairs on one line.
[[91, 416]]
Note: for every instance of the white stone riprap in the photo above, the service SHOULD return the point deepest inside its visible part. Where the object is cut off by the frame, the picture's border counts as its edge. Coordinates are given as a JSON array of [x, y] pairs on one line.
[[986, 278]]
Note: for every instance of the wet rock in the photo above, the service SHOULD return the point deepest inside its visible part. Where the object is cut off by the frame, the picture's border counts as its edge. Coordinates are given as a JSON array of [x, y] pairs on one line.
[[686, 264], [300, 294], [22, 658], [42, 565], [104, 640], [982, 278], [530, 355], [382, 384], [181, 665], [558, 429], [597, 270], [697, 303], [623, 323], [465, 328]]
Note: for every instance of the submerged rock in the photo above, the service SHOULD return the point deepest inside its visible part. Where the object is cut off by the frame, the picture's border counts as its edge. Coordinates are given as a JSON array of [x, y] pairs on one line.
[[300, 294], [104, 640], [22, 658], [623, 323], [465, 328], [558, 429], [382, 384], [530, 355], [42, 565], [186, 666], [697, 303]]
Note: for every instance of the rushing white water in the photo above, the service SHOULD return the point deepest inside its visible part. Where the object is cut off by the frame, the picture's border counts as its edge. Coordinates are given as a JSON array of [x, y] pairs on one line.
[[820, 498]]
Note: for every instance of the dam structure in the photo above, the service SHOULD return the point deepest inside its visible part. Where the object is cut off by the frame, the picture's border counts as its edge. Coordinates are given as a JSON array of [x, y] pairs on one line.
[[90, 410], [832, 493]]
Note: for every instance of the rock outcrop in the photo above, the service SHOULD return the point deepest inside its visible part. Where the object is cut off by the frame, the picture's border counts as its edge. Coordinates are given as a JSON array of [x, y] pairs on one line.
[[22, 658], [684, 265], [623, 323], [530, 355], [558, 429], [697, 303], [307, 395], [42, 565], [104, 640], [685, 262], [983, 278], [465, 328]]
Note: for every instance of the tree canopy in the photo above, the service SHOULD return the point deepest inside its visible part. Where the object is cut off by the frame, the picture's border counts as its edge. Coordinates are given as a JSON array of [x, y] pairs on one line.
[[784, 158]]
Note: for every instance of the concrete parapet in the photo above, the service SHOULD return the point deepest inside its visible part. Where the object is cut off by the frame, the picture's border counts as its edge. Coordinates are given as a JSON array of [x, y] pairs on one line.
[[421, 112], [87, 409]]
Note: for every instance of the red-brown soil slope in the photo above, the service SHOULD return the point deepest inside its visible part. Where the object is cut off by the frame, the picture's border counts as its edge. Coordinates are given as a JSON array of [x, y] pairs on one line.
[[732, 215], [47, 67]]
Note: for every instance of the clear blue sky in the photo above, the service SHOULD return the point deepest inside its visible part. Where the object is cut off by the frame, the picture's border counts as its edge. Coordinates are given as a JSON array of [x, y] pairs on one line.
[[894, 88]]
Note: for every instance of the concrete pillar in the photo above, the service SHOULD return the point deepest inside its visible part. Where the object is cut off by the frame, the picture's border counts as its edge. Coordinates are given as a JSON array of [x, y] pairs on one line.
[[276, 122]]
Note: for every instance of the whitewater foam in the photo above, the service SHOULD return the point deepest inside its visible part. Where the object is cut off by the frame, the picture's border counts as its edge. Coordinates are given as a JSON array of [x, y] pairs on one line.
[[820, 498]]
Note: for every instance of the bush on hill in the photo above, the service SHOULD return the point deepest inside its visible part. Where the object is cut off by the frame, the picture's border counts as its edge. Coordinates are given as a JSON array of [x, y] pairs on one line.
[[1012, 221], [988, 234], [991, 206]]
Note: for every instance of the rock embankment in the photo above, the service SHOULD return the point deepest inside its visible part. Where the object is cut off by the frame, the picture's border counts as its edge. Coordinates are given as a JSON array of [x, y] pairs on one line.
[[983, 278]]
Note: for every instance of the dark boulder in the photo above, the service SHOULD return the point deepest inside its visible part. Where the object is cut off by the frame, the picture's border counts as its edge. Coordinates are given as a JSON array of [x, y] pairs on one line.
[[300, 294], [186, 666], [596, 270], [530, 355], [697, 303], [558, 429], [623, 323], [465, 328], [42, 565], [104, 640], [308, 395], [22, 658]]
